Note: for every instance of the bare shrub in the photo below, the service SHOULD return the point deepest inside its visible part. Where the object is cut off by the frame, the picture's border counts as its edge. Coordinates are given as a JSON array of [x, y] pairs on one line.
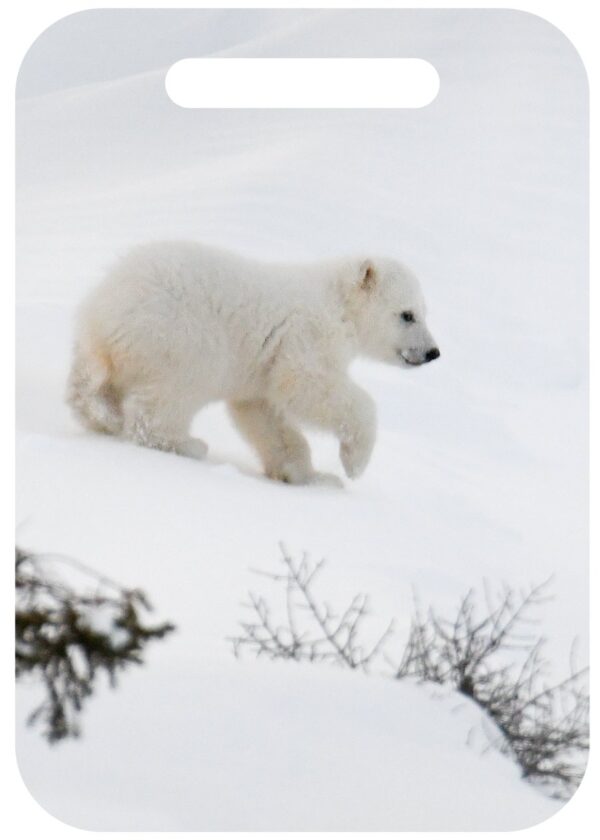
[[65, 639], [311, 630], [491, 655], [487, 652]]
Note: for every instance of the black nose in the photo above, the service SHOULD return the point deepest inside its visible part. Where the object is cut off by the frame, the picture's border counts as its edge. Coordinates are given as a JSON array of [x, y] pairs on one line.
[[432, 354]]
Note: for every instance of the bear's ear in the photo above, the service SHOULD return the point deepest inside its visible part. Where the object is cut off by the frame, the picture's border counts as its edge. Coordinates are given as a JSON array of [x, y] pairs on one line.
[[367, 275]]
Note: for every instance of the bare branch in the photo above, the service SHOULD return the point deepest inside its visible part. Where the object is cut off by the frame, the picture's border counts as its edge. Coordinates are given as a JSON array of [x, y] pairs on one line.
[[312, 630]]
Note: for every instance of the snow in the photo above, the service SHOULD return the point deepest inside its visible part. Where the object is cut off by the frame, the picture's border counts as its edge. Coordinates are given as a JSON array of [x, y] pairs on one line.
[[480, 467], [259, 745]]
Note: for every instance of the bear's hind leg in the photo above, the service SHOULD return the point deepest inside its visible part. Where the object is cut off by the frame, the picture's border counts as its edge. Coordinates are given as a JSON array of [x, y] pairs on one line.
[[283, 450], [162, 425]]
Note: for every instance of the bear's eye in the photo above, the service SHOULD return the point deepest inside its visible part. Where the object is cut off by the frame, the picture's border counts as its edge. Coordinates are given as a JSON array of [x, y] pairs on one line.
[[407, 316]]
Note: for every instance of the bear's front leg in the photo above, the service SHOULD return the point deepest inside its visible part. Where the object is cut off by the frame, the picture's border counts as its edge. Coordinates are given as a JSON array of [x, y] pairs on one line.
[[338, 406], [356, 431]]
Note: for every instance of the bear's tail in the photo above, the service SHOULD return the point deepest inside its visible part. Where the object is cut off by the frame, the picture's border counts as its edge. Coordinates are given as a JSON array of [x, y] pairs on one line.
[[91, 393]]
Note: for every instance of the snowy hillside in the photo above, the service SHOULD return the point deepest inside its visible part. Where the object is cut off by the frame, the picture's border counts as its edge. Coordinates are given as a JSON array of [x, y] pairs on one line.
[[479, 470]]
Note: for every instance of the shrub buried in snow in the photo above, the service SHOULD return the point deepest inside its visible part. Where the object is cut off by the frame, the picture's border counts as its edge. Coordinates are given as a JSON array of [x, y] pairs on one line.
[[490, 658]]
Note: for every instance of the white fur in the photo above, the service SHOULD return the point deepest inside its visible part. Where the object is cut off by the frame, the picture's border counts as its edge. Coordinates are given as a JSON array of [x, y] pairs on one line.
[[177, 325]]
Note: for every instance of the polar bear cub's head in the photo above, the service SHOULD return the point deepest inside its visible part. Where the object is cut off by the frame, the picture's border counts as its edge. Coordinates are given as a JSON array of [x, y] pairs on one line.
[[389, 313]]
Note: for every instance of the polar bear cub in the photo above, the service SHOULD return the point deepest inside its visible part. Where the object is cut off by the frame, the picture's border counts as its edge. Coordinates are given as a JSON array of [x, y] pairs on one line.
[[177, 325]]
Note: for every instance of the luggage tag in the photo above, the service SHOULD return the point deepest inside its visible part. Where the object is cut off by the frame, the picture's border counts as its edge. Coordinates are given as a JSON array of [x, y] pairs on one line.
[[293, 285]]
